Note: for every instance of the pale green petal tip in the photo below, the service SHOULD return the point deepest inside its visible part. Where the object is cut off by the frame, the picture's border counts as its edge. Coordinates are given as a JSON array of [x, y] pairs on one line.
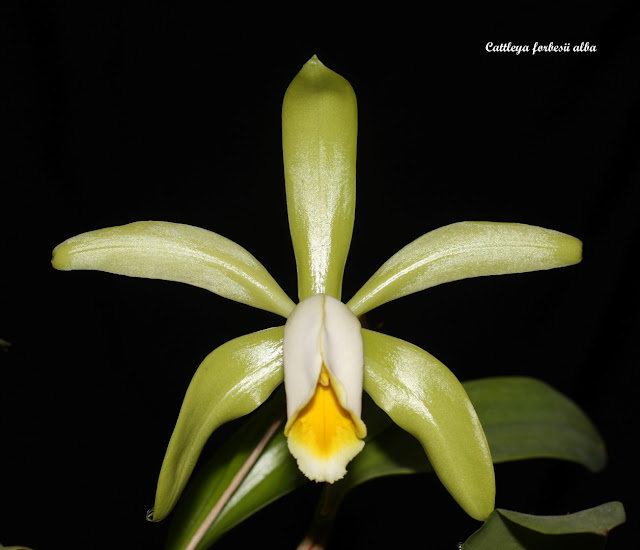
[[483, 505], [313, 63], [61, 258], [316, 71], [314, 81], [569, 251]]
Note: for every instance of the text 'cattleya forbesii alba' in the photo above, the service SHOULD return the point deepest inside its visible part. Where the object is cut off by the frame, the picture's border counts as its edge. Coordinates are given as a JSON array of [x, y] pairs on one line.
[[323, 355]]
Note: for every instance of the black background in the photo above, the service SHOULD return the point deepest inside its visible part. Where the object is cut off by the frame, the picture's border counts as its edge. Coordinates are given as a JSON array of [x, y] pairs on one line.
[[135, 112]]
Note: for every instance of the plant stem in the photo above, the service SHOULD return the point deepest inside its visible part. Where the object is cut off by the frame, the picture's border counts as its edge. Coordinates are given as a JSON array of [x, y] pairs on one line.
[[320, 529]]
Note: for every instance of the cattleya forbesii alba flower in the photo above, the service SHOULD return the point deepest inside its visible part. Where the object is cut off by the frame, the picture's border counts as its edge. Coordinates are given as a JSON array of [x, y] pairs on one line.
[[322, 353]]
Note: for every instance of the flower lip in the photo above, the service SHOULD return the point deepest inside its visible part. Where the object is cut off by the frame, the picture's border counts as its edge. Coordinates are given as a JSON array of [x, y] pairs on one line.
[[322, 331], [323, 373]]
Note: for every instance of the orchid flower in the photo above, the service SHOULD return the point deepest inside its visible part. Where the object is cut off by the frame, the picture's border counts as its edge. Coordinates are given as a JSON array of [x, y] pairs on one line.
[[323, 355]]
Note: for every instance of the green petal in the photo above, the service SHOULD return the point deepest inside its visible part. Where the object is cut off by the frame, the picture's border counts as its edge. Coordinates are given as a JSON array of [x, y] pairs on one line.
[[232, 381], [463, 250], [424, 398], [176, 252], [319, 131]]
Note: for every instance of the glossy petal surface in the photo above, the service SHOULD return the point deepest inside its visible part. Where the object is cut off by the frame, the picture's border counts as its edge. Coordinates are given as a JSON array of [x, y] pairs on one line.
[[319, 130], [424, 398], [232, 381], [176, 252], [463, 250]]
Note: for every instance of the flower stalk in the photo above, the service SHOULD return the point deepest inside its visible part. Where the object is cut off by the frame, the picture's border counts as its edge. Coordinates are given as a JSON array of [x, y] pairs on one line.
[[235, 483]]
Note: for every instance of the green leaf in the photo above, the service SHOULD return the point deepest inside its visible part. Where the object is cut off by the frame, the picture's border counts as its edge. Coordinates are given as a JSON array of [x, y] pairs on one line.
[[273, 475], [176, 252], [462, 250], [585, 530], [319, 134], [540, 412], [423, 397], [4, 345], [523, 418], [526, 418], [232, 381]]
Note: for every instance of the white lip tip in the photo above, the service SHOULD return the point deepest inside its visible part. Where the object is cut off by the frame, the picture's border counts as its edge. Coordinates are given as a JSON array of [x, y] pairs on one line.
[[324, 470]]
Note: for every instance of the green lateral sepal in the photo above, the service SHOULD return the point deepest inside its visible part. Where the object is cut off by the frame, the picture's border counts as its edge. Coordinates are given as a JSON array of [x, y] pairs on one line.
[[231, 382]]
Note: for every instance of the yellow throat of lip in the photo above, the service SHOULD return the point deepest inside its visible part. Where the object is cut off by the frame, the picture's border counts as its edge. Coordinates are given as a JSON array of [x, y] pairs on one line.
[[323, 429]]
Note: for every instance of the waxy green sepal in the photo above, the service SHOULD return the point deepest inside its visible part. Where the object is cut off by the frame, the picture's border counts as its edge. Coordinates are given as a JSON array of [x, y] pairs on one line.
[[424, 398], [319, 134], [232, 381]]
